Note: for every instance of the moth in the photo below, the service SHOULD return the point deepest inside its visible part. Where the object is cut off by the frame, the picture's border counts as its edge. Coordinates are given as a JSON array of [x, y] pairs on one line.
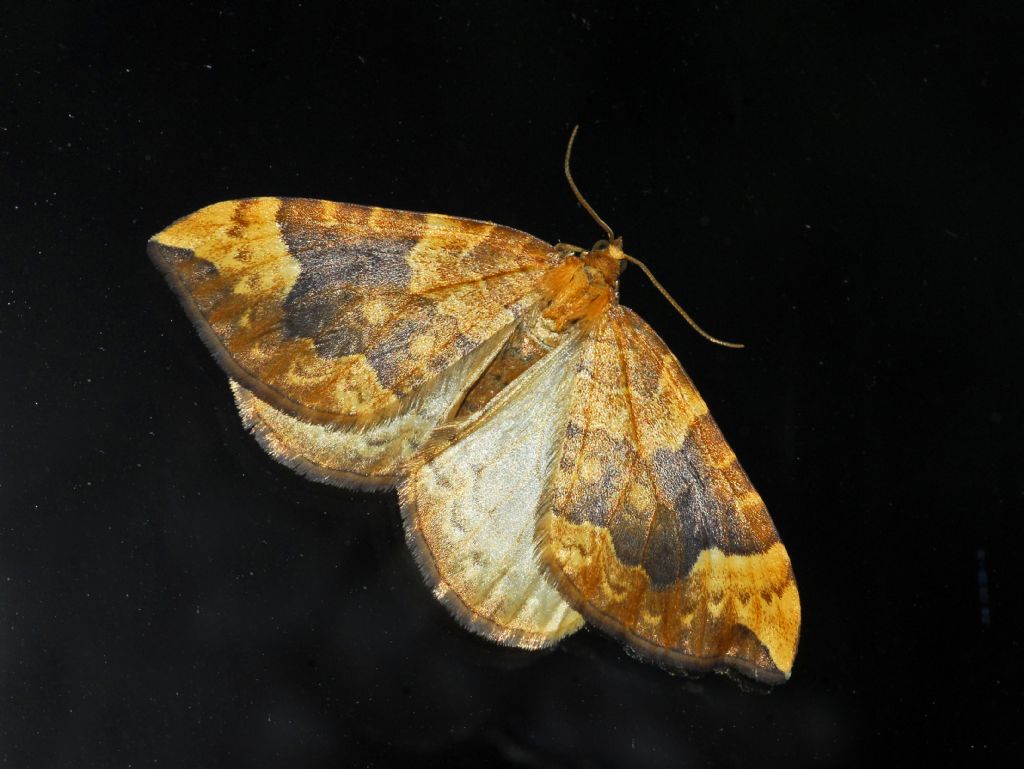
[[555, 465]]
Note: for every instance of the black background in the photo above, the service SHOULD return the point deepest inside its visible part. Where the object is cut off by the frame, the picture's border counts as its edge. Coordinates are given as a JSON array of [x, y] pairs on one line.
[[839, 188]]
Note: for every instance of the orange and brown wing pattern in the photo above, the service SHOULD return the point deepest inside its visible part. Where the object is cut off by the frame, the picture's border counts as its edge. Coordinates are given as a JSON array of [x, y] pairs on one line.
[[368, 456], [339, 314], [653, 532]]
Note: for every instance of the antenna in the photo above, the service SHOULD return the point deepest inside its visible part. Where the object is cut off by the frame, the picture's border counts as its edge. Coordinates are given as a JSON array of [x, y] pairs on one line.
[[576, 190], [680, 310], [616, 252]]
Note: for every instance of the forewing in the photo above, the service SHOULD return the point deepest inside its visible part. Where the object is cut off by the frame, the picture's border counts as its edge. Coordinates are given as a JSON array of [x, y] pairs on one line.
[[470, 503], [654, 532], [339, 314]]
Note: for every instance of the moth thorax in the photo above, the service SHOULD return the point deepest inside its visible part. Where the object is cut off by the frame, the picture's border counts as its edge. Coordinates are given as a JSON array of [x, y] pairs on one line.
[[579, 290]]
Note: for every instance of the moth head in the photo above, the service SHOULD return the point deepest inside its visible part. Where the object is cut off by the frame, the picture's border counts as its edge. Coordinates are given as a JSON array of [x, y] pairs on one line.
[[607, 257], [611, 248]]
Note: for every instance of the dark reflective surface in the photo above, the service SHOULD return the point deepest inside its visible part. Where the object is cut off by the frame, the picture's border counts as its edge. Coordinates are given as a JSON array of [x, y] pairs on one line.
[[838, 189]]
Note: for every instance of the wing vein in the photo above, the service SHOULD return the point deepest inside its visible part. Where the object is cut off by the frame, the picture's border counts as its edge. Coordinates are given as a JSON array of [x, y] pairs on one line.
[[626, 384], [445, 287]]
